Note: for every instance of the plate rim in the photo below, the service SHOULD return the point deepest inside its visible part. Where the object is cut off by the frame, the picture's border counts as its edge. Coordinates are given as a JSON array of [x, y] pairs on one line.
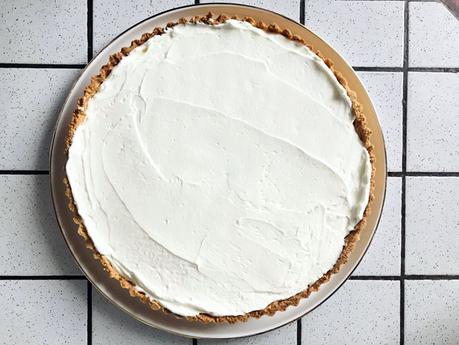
[[52, 169]]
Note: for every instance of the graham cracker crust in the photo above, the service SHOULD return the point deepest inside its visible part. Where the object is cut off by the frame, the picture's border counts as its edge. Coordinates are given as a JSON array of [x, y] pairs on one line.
[[359, 124]]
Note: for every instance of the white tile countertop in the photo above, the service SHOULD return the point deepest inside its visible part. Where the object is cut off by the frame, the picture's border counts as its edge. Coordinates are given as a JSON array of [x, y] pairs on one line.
[[406, 290]]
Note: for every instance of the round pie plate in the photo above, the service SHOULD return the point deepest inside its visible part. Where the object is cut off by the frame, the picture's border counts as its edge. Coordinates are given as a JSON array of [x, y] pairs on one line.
[[110, 288]]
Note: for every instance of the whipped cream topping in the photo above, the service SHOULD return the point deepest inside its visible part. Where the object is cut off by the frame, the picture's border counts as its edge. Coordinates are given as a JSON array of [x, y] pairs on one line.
[[218, 168]]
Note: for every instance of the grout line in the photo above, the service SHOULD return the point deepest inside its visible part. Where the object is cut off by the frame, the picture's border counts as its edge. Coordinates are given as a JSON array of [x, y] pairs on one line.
[[402, 311], [423, 174], [434, 69], [402, 259], [356, 68], [41, 65], [432, 277], [404, 159], [389, 173], [356, 277], [89, 310], [298, 331], [399, 0], [410, 69], [377, 69], [42, 277], [90, 26], [195, 341], [432, 174], [24, 172], [389, 0], [370, 277], [302, 11], [404, 125]]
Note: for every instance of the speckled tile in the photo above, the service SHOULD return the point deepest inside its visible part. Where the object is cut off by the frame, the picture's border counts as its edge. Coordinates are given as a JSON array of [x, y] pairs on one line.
[[112, 326], [385, 90], [359, 313], [283, 336], [433, 45], [433, 126], [31, 100], [383, 256], [289, 8], [111, 19], [432, 225], [43, 312], [366, 33], [431, 312], [43, 31], [31, 243]]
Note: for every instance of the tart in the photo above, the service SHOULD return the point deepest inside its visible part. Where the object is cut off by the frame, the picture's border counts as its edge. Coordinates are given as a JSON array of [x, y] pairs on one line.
[[219, 168]]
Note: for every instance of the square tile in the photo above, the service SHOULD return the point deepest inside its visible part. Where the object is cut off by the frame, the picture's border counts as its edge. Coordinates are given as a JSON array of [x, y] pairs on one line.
[[386, 91], [432, 125], [43, 32], [112, 326], [431, 44], [366, 33], [31, 100], [289, 8], [432, 225], [31, 243], [113, 17], [282, 336], [383, 256], [431, 312], [43, 312], [360, 312]]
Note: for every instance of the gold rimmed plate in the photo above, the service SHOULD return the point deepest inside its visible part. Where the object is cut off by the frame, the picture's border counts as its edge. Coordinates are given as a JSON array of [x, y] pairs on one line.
[[110, 288]]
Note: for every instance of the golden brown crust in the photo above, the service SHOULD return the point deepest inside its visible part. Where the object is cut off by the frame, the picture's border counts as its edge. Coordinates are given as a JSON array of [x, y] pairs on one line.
[[360, 126]]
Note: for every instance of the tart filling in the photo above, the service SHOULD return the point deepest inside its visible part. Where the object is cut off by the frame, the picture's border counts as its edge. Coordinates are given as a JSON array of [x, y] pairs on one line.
[[218, 168]]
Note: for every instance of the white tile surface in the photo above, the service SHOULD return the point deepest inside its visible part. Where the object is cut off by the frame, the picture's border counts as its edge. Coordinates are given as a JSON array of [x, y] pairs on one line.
[[432, 225], [433, 36], [366, 33], [113, 17], [112, 326], [385, 89], [383, 256], [282, 336], [431, 312], [43, 31], [43, 312], [433, 126], [30, 102], [31, 243], [289, 8], [359, 313]]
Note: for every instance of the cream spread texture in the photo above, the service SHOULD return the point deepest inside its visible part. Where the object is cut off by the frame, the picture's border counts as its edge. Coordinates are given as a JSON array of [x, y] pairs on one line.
[[218, 168]]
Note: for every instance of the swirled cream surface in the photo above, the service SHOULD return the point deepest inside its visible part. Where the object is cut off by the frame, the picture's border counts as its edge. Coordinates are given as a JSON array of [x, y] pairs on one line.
[[218, 168]]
